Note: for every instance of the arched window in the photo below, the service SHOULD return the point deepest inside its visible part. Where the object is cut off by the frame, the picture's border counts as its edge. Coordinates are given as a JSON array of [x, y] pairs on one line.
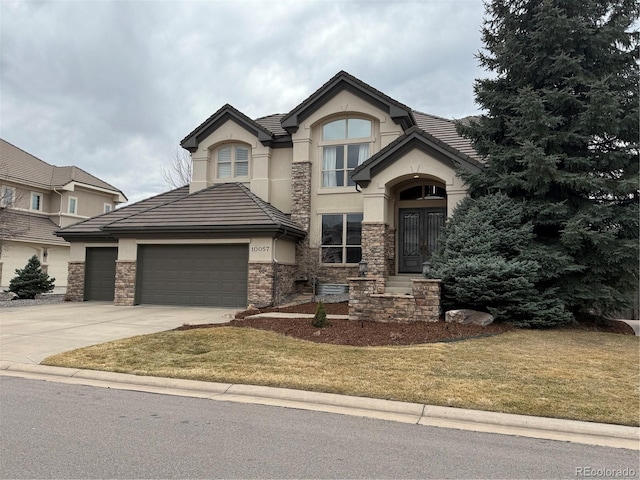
[[345, 145], [424, 192], [232, 161]]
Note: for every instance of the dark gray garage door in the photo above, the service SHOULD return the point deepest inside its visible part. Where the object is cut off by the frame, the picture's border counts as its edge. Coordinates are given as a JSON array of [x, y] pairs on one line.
[[213, 275], [100, 273]]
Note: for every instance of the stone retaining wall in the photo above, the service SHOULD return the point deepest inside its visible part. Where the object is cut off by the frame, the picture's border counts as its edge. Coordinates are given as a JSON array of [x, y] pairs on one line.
[[367, 303]]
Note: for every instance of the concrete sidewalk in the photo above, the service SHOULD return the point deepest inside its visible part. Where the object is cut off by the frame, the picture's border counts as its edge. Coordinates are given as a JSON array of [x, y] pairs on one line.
[[31, 334], [615, 436]]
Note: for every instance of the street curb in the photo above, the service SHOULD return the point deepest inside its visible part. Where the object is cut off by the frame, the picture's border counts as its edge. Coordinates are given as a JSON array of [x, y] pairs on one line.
[[617, 436]]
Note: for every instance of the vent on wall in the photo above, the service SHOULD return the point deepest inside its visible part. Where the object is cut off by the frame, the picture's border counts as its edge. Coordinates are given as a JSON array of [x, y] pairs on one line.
[[332, 289]]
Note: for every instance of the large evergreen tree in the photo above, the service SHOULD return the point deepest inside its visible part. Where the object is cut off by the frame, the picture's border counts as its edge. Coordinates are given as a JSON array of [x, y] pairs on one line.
[[560, 132]]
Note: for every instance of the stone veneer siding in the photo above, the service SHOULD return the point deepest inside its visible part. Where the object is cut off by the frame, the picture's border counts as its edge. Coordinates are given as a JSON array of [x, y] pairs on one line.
[[301, 194], [375, 245], [333, 274], [260, 283], [75, 282], [391, 251], [366, 303], [125, 290]]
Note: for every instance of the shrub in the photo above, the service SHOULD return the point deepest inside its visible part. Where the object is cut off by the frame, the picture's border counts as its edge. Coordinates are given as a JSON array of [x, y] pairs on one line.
[[320, 317], [31, 280], [487, 261]]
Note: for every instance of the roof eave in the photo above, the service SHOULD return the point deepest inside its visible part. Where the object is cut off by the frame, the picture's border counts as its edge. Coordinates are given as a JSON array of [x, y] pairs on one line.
[[244, 230]]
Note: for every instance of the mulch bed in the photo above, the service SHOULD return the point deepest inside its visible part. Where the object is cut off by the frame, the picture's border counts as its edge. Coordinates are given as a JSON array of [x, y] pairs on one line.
[[366, 333]]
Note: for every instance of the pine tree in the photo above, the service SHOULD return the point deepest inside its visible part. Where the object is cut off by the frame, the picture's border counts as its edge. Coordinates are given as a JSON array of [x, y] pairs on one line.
[[560, 132], [31, 280], [485, 262], [320, 317]]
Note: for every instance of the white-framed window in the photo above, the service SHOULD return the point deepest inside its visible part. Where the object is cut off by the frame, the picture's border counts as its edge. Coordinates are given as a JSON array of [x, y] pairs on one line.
[[73, 205], [341, 238], [346, 143], [36, 201], [232, 161], [7, 196], [107, 207]]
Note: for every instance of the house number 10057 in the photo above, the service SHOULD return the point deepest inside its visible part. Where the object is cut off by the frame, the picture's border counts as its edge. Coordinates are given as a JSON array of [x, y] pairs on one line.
[[259, 249]]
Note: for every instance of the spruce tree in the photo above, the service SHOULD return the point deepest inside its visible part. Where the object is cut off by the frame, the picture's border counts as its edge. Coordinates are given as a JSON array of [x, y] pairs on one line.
[[31, 280], [485, 262], [560, 132]]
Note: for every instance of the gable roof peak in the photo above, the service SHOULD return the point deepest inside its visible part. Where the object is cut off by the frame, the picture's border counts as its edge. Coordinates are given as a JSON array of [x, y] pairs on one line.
[[399, 113], [222, 115]]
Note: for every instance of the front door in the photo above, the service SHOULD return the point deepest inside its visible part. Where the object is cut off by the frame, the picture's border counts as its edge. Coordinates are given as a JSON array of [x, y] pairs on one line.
[[418, 235]]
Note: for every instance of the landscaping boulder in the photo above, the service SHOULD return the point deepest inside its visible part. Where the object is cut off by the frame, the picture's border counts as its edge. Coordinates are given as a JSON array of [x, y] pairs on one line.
[[466, 316]]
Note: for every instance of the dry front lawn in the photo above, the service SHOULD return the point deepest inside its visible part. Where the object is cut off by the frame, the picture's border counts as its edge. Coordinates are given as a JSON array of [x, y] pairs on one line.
[[560, 373]]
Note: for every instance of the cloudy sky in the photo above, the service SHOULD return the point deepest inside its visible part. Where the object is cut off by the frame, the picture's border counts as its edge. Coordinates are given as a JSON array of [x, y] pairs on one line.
[[113, 86]]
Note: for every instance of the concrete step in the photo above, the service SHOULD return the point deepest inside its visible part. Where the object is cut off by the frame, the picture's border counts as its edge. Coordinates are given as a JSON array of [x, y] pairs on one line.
[[400, 284], [398, 290]]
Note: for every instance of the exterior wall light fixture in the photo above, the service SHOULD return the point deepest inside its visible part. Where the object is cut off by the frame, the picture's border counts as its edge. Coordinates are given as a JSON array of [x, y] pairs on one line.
[[363, 268]]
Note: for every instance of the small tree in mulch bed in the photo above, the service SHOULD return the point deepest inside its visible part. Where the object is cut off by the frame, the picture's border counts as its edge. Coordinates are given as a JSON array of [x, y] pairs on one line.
[[31, 280], [320, 317]]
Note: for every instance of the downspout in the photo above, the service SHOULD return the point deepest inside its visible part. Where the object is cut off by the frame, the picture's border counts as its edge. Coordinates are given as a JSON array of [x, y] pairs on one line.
[[60, 208]]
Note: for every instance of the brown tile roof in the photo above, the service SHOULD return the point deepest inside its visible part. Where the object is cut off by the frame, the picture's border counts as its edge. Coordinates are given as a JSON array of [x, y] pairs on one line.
[[445, 131], [18, 166], [224, 208], [273, 124], [28, 227]]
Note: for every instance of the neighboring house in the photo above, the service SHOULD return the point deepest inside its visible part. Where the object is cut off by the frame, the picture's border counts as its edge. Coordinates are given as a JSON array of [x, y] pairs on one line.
[[349, 170], [36, 199]]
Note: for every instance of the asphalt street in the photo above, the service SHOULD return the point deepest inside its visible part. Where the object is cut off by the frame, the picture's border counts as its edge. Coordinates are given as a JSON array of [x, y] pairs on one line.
[[54, 430]]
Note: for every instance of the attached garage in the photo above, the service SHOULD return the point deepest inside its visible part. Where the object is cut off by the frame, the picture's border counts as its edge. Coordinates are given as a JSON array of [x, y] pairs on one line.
[[207, 275], [100, 274]]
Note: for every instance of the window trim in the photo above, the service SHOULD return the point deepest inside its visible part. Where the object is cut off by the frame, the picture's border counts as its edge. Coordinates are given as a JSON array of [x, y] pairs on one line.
[[344, 245], [107, 208], [40, 202], [75, 212], [233, 161]]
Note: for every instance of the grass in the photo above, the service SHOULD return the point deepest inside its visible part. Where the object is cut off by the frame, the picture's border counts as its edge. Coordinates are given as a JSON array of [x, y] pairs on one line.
[[559, 373]]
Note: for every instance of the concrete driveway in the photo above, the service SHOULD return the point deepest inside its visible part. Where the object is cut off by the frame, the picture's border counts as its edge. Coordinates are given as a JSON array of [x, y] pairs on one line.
[[30, 334]]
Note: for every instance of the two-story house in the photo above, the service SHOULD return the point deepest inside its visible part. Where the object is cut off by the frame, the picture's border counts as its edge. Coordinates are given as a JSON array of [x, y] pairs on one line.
[[349, 171], [36, 199]]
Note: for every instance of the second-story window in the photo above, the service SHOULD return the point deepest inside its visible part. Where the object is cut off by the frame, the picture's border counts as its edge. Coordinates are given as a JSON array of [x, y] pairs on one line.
[[345, 145], [36, 201], [7, 196], [73, 205], [232, 161]]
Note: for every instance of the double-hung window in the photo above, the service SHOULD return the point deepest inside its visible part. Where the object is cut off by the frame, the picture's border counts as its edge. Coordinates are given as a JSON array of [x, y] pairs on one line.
[[345, 145], [342, 238], [232, 161]]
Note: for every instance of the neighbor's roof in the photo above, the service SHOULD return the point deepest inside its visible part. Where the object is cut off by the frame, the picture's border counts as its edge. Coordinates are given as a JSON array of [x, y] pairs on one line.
[[18, 166], [223, 209], [26, 227]]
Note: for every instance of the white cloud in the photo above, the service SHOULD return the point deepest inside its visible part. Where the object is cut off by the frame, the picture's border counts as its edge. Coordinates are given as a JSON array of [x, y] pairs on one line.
[[113, 87]]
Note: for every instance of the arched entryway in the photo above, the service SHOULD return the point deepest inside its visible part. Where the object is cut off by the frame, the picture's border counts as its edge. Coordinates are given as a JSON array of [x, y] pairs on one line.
[[421, 208]]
